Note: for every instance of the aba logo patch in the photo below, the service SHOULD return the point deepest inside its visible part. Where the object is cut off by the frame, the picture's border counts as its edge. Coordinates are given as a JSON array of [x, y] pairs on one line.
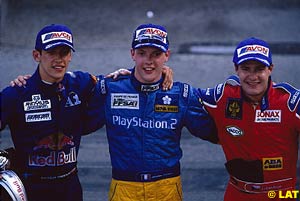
[[234, 108], [273, 163]]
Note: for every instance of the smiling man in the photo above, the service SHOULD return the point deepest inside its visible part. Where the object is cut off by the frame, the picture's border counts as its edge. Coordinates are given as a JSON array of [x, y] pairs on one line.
[[47, 118], [258, 125], [144, 123]]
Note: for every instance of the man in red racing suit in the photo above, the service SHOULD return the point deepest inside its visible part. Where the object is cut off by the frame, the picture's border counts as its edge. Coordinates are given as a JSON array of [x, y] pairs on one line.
[[258, 125]]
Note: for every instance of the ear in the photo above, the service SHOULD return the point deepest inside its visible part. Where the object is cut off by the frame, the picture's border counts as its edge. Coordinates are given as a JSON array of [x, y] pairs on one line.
[[36, 55], [236, 67], [271, 67], [168, 53], [132, 53]]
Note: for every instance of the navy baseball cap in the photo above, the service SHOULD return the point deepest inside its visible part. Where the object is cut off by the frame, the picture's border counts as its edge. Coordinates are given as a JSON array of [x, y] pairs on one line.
[[150, 35], [253, 49], [52, 36]]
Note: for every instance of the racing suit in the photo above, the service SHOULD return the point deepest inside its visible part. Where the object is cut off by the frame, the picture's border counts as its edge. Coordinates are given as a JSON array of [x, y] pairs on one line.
[[143, 128], [46, 123], [260, 142]]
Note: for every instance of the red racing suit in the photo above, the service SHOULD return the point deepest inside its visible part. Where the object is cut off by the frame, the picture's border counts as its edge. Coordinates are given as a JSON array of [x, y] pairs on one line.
[[260, 142]]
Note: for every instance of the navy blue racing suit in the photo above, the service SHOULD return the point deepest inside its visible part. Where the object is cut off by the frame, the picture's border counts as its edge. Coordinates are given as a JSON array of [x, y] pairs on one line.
[[46, 123]]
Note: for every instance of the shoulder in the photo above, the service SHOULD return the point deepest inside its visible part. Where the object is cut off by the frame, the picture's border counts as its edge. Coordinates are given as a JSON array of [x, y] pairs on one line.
[[77, 75], [212, 95], [292, 93], [79, 79], [13, 91], [105, 83], [184, 89], [10, 95]]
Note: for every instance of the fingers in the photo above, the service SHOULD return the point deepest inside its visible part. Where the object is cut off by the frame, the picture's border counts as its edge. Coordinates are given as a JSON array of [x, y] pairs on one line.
[[12, 83], [168, 81], [20, 80], [121, 71], [124, 71]]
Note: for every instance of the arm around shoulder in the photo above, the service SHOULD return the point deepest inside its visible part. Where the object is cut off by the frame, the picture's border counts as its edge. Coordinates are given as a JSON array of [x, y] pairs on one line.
[[197, 119]]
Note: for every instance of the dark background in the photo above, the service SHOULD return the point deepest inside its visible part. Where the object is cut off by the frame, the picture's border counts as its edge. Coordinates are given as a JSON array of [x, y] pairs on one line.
[[202, 33]]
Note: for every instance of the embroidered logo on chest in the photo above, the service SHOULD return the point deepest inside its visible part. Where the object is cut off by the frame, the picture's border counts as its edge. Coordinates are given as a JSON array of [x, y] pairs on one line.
[[234, 109], [234, 131], [268, 116], [124, 101], [166, 102], [73, 99], [37, 103]]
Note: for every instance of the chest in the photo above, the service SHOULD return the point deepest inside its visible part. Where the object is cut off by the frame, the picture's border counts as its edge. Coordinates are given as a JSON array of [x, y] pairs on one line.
[[243, 122]]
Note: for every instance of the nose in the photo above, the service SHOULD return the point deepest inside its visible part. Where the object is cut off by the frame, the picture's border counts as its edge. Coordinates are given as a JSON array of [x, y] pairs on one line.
[[149, 59], [58, 60], [253, 75]]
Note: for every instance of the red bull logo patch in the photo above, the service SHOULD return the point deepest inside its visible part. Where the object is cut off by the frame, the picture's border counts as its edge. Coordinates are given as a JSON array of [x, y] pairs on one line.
[[54, 142], [53, 159]]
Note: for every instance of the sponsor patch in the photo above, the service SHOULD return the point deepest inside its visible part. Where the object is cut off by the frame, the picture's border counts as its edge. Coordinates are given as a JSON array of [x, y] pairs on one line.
[[37, 103], [253, 49], [185, 90], [268, 116], [272, 163], [147, 88], [102, 86], [151, 33], [56, 36], [55, 141], [124, 101], [234, 131], [144, 123], [166, 102], [234, 109], [72, 100], [39, 116], [53, 159]]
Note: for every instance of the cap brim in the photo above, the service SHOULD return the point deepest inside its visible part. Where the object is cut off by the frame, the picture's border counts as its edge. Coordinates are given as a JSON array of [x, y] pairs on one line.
[[51, 46], [263, 61], [162, 48]]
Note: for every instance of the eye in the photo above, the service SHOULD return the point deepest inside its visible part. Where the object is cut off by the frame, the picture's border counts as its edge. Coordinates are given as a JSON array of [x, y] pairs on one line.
[[244, 68], [141, 53], [157, 54]]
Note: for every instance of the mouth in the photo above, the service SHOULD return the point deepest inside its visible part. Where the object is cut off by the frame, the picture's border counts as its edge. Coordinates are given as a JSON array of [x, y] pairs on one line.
[[148, 69], [253, 84], [58, 67]]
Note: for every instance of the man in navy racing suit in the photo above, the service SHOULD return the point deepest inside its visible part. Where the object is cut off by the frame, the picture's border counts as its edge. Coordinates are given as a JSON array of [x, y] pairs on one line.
[[47, 118]]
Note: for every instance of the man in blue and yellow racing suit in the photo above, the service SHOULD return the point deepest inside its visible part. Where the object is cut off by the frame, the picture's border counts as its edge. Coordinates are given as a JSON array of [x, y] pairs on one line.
[[144, 123]]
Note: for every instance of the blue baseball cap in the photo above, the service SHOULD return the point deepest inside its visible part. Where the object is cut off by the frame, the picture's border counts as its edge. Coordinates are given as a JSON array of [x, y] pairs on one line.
[[150, 35], [52, 36], [252, 49]]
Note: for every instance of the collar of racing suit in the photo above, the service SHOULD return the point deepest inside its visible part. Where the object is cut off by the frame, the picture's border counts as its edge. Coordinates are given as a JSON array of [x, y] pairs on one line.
[[49, 89], [145, 87]]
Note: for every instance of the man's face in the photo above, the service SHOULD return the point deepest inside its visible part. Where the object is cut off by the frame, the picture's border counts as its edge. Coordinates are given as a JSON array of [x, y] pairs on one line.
[[53, 63], [254, 77], [148, 63]]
